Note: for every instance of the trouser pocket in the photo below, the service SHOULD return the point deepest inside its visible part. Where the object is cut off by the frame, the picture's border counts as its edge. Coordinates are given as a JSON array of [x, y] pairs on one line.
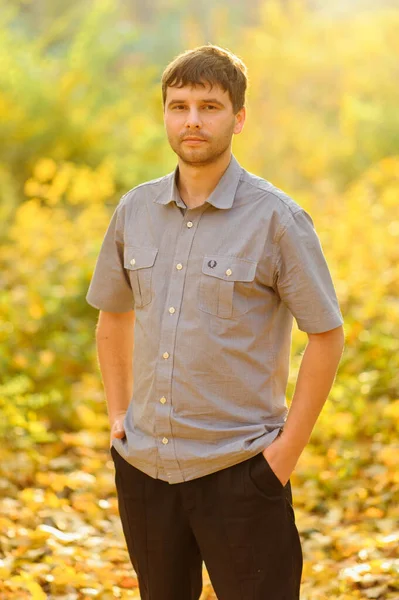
[[264, 478]]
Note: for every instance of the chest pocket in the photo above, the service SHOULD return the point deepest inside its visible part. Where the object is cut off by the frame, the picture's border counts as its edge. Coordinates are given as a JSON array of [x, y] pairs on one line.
[[225, 285], [139, 264]]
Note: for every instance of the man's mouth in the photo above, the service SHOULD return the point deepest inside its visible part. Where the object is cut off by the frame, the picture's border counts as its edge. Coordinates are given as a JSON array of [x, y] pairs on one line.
[[194, 140]]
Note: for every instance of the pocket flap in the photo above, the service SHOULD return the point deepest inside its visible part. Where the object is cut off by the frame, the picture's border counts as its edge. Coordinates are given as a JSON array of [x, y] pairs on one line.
[[229, 268], [139, 257]]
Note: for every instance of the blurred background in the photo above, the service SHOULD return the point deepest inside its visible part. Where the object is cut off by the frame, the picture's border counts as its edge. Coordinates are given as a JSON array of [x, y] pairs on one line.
[[80, 125]]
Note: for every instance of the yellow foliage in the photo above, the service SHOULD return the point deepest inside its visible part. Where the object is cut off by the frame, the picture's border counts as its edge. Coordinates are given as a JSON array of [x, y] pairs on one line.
[[322, 125], [45, 169]]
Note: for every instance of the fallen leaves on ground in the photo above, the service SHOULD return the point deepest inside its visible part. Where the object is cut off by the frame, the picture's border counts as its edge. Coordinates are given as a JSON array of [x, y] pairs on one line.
[[61, 535]]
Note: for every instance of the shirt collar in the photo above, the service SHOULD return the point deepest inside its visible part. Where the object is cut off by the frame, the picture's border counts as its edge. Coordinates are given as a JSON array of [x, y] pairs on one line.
[[221, 197]]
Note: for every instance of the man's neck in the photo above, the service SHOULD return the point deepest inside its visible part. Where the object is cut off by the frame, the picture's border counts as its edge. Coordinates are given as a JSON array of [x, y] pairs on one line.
[[196, 183]]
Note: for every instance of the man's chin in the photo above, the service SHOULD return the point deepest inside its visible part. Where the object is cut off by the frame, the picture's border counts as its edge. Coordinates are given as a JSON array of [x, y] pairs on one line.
[[197, 156]]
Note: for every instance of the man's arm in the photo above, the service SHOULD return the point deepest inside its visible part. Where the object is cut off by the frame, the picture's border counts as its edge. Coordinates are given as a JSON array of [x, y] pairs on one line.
[[115, 343], [315, 378]]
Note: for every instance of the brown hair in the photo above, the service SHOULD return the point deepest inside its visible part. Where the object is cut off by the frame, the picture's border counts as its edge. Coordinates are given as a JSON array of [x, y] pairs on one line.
[[212, 64]]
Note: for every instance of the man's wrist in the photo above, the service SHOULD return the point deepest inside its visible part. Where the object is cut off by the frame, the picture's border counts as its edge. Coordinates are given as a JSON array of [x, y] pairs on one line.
[[116, 416], [284, 447]]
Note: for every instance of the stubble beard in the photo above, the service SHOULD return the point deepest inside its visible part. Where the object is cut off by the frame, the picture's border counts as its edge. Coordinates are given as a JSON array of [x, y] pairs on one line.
[[202, 156]]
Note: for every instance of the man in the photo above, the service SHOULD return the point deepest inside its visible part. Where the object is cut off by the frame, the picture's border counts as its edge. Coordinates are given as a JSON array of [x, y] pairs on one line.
[[202, 271]]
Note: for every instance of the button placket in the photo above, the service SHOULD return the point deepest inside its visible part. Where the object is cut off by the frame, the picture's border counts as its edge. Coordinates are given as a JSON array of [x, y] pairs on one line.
[[164, 370]]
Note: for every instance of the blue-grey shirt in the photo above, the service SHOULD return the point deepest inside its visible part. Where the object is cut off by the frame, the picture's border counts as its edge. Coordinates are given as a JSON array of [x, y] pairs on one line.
[[214, 289]]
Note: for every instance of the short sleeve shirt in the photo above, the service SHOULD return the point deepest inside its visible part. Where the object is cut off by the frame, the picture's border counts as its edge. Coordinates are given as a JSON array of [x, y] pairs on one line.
[[214, 289]]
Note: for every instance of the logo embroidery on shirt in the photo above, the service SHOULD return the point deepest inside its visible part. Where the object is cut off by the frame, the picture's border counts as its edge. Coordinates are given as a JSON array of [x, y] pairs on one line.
[[212, 264]]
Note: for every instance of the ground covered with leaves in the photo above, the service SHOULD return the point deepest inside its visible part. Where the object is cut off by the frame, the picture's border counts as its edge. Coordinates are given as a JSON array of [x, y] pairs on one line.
[[61, 535]]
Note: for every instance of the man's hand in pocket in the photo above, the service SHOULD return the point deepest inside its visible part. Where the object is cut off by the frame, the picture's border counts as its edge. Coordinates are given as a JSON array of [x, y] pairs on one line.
[[117, 429], [281, 459]]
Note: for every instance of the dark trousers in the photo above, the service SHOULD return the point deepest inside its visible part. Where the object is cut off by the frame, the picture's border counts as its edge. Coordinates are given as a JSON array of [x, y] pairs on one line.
[[239, 521]]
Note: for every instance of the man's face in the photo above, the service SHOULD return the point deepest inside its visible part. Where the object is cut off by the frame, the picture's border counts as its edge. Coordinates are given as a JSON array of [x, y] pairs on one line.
[[200, 112]]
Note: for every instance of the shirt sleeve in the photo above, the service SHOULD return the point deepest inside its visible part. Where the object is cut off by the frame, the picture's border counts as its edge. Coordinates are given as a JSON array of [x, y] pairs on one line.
[[110, 288], [302, 278]]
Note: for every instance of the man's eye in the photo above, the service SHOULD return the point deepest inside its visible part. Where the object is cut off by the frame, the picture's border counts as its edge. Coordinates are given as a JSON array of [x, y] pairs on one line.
[[210, 106]]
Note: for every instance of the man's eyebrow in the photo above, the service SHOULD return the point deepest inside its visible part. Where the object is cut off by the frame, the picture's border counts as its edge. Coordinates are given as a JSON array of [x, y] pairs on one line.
[[203, 100]]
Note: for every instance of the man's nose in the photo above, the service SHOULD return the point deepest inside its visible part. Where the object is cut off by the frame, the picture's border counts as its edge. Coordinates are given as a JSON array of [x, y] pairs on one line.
[[193, 118]]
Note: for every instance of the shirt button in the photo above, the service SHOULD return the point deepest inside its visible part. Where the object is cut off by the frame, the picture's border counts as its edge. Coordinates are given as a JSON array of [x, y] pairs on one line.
[[133, 261], [229, 272], [189, 224], [165, 440], [162, 400], [172, 310], [179, 266], [165, 354]]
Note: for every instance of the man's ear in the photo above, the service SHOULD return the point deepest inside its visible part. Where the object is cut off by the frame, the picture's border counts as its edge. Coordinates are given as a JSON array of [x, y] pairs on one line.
[[240, 120]]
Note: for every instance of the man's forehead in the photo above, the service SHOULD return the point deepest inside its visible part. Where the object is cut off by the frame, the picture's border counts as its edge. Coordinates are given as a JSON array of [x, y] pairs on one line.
[[196, 88]]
